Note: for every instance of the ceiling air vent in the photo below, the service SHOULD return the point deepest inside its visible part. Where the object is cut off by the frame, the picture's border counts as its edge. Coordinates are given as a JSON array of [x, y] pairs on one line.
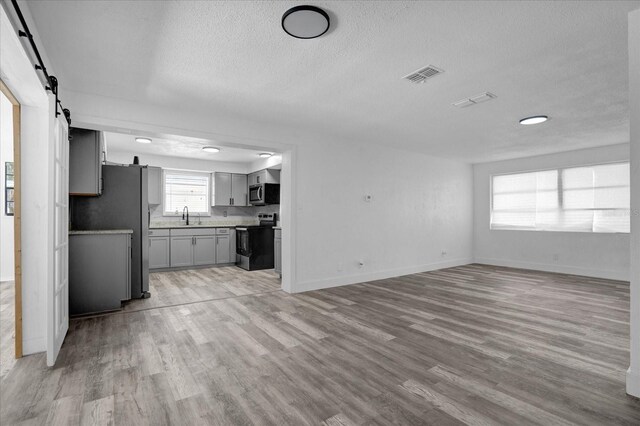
[[473, 100], [423, 74]]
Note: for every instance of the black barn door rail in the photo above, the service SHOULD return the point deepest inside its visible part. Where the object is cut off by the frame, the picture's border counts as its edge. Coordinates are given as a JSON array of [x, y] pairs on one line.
[[52, 81]]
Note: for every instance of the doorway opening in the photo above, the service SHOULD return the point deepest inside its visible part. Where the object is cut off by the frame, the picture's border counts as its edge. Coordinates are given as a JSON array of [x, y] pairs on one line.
[[10, 249], [211, 216]]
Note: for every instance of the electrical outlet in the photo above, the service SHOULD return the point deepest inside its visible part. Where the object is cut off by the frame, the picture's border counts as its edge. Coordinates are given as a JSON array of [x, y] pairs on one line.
[[443, 252], [368, 198], [224, 213]]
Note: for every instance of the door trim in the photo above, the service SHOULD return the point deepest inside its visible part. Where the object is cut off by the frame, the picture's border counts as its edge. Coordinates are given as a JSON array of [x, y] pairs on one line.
[[17, 219]]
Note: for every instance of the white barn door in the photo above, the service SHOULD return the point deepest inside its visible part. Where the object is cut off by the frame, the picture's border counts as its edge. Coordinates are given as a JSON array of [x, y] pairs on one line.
[[58, 294]]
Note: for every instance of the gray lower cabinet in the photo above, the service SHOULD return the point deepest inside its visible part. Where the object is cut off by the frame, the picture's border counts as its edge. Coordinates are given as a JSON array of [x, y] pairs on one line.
[[184, 247], [277, 251], [223, 250], [181, 251], [204, 250], [99, 272], [159, 249]]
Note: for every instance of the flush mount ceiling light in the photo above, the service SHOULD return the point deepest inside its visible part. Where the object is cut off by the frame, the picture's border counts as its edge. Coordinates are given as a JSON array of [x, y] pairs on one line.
[[305, 22], [265, 155], [210, 149], [143, 140], [536, 119]]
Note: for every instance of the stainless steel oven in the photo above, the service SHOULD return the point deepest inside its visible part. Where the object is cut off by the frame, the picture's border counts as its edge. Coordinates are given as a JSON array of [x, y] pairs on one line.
[[264, 193]]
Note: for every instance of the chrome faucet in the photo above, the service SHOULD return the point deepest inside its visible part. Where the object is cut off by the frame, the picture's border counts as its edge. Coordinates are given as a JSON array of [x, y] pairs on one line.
[[187, 209], [199, 221]]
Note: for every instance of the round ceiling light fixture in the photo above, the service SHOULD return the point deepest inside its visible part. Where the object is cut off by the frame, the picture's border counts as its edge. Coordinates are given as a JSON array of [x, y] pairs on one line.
[[143, 140], [305, 22], [265, 155], [536, 119], [210, 149]]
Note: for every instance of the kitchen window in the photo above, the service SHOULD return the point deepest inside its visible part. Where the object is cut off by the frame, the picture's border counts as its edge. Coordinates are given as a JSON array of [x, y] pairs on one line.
[[577, 199], [181, 188]]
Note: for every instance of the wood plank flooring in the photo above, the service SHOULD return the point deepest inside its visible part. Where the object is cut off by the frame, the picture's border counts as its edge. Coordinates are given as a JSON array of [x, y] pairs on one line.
[[7, 327], [196, 285], [474, 345]]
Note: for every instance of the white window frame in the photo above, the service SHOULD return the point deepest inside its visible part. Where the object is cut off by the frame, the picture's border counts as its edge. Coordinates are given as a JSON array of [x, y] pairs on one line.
[[185, 172], [560, 198]]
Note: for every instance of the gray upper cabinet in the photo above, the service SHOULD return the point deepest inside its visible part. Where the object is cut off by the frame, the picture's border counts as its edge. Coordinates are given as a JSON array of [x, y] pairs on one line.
[[86, 154], [264, 176], [222, 189], [204, 250], [239, 191], [155, 185], [229, 189]]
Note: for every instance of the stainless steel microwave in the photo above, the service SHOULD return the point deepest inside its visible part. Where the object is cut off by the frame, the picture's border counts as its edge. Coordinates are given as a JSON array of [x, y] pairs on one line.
[[264, 193]]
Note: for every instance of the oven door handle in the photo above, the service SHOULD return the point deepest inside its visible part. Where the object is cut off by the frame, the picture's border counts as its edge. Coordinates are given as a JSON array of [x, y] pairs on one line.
[[260, 193], [241, 229]]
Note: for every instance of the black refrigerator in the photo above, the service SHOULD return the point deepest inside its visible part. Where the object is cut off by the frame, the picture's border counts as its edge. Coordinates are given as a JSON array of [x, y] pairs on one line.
[[122, 205]]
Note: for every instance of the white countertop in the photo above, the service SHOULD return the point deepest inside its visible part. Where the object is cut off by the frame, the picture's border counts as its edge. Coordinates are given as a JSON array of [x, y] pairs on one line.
[[101, 232], [204, 224], [191, 226]]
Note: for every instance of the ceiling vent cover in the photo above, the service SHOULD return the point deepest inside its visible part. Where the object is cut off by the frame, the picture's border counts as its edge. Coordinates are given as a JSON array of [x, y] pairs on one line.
[[474, 100], [421, 75]]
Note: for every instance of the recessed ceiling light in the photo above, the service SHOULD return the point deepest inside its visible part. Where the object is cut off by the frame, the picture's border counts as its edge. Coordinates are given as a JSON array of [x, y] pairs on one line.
[[143, 140], [265, 155], [305, 22], [536, 119], [210, 149]]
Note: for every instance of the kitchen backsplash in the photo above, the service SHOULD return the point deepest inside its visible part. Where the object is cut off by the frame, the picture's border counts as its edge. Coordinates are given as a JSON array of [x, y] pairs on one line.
[[234, 215]]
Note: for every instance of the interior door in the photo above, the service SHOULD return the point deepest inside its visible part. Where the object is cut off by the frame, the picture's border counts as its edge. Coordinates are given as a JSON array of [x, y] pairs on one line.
[[58, 292]]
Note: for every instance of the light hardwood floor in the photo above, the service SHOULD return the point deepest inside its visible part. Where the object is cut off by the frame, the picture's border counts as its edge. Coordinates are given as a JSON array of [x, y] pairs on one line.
[[7, 327], [475, 344], [197, 285]]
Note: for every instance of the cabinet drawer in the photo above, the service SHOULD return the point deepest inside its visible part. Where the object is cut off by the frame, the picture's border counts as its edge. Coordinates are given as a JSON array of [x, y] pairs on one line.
[[193, 231], [222, 231], [158, 232]]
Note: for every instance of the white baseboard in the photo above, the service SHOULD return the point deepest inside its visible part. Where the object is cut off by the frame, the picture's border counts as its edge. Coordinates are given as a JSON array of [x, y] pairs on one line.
[[378, 275], [33, 346], [633, 383], [562, 269]]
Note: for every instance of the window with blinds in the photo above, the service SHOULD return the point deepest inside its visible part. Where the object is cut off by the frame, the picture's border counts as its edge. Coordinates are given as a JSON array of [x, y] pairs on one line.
[[189, 189], [580, 199]]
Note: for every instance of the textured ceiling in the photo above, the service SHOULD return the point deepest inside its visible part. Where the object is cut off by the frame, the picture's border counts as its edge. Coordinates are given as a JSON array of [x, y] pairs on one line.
[[185, 147], [564, 59]]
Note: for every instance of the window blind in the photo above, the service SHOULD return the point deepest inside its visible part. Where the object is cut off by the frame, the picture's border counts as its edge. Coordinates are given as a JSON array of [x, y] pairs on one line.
[[582, 199], [189, 189]]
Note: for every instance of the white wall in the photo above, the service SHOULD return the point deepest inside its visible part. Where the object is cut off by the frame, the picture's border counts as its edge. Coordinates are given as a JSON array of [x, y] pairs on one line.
[[6, 222], [598, 255], [633, 375], [420, 207]]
